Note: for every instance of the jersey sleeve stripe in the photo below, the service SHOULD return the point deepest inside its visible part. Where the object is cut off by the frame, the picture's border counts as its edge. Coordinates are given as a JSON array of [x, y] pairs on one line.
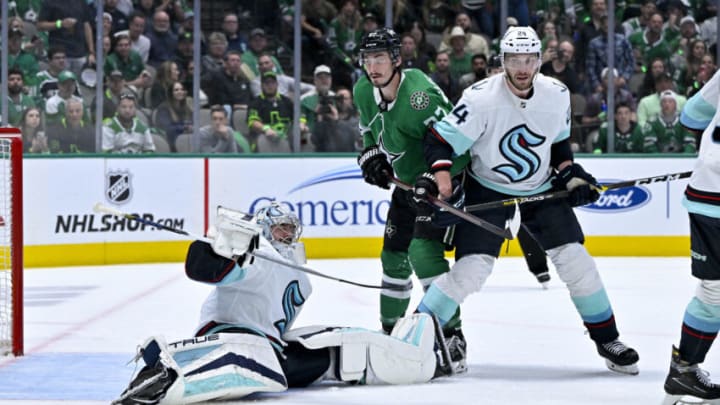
[[459, 142], [697, 113]]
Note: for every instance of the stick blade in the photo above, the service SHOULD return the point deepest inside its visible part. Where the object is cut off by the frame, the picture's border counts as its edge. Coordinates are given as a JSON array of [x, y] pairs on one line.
[[512, 225]]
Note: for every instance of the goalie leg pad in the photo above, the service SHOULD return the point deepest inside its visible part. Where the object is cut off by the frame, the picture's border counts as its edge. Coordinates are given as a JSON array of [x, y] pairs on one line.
[[404, 357]]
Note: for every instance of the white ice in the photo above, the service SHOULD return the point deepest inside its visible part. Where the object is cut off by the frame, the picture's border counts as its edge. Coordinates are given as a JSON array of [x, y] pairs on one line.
[[525, 344]]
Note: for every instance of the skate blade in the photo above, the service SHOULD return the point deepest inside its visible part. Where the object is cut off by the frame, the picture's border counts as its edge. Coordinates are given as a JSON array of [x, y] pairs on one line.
[[545, 285], [688, 400], [631, 369], [460, 367]]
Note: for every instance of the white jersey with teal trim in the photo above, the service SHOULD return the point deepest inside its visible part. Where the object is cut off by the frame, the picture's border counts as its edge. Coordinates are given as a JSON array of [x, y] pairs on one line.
[[263, 296], [509, 138], [701, 113]]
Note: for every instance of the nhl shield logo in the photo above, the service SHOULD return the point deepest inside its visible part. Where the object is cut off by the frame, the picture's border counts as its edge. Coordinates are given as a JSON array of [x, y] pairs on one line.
[[118, 189]]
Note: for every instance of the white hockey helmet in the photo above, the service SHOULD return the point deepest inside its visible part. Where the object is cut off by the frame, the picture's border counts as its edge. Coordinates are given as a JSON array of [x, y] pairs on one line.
[[520, 40], [275, 214]]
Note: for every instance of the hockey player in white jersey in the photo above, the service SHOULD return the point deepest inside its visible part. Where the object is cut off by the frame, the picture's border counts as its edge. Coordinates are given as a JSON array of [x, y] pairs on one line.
[[701, 322], [245, 342], [516, 126]]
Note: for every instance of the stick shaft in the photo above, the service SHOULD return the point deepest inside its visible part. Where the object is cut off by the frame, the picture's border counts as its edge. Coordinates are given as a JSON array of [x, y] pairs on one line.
[[109, 210], [564, 193]]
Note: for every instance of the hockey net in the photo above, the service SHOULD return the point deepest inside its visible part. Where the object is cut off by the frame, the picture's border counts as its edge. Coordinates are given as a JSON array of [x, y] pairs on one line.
[[11, 243]]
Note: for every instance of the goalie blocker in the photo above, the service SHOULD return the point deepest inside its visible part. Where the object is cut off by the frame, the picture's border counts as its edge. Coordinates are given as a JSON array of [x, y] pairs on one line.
[[234, 365]]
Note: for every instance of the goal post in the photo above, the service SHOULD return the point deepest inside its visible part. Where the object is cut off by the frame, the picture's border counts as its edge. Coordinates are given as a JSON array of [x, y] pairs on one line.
[[11, 243]]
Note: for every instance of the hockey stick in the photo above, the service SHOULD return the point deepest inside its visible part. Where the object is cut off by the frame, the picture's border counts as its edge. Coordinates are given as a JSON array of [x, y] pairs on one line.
[[564, 193], [511, 225], [100, 208]]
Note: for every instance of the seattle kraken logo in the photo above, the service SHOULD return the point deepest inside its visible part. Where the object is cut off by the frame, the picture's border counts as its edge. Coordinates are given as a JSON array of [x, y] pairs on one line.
[[292, 298], [515, 146]]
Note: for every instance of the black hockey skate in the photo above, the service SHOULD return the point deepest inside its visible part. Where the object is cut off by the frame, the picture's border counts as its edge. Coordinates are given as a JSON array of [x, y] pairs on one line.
[[457, 347], [149, 387], [619, 357], [544, 279], [689, 380]]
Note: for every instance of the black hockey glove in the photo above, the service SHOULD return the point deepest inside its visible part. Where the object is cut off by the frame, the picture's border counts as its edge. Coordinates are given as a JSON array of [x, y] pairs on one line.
[[457, 200], [375, 167], [424, 186], [582, 185]]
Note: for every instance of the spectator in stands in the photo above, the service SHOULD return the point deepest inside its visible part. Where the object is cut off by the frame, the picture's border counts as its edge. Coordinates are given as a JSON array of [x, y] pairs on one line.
[[546, 32], [218, 137], [68, 23], [138, 41], [436, 16], [311, 103], [444, 78], [286, 84], [589, 30], [651, 42], [344, 32], [460, 61], [129, 62], [55, 105], [115, 86], [174, 115], [689, 31], [46, 82], [257, 45], [656, 68], [708, 30], [596, 58], [639, 23], [424, 48], [213, 60], [167, 74], [628, 134], [597, 105], [337, 127], [410, 56], [474, 43], [184, 54], [24, 61], [479, 67], [270, 116], [686, 73], [71, 134], [163, 41], [231, 29], [17, 100], [31, 128], [560, 66], [482, 14], [118, 18], [663, 132], [107, 24], [705, 72], [125, 133], [649, 106], [229, 86]]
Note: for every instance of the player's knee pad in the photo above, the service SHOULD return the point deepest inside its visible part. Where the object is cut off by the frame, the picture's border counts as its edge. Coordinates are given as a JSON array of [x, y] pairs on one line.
[[219, 366], [576, 269], [708, 291], [467, 276], [404, 357]]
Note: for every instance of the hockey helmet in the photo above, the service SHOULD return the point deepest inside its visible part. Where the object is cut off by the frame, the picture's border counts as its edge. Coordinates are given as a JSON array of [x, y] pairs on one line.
[[382, 39], [274, 215], [520, 40]]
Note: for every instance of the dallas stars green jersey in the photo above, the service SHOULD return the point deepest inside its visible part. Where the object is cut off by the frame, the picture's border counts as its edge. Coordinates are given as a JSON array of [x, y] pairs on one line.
[[399, 131]]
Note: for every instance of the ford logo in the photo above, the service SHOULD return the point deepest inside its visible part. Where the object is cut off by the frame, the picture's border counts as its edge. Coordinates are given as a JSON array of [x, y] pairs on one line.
[[621, 199]]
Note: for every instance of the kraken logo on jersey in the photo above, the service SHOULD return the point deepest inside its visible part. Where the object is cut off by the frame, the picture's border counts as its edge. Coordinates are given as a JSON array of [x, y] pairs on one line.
[[292, 298], [515, 146]]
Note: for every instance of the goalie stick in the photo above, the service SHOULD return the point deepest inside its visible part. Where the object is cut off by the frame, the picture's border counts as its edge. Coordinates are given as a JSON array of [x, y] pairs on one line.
[[511, 225], [100, 208], [565, 193]]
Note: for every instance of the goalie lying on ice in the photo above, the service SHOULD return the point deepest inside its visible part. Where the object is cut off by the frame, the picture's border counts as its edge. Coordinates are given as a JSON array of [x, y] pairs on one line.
[[245, 343]]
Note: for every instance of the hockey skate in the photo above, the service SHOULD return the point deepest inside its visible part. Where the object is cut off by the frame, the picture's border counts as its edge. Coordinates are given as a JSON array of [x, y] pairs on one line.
[[457, 348], [544, 279], [689, 384], [619, 357]]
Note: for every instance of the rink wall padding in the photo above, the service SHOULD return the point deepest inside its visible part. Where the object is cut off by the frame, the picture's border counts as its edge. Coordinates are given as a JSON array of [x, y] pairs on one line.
[[342, 216]]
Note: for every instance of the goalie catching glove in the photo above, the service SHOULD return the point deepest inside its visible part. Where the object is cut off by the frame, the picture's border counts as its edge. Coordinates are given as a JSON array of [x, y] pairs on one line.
[[375, 167], [425, 186], [234, 237], [582, 185]]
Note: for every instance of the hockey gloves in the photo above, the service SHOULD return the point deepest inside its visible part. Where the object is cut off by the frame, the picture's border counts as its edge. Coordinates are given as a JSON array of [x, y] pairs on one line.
[[424, 186], [375, 167], [582, 185], [235, 239]]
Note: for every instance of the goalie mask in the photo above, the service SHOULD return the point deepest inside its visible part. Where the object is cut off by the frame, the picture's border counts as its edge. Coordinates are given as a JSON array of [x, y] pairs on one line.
[[279, 225]]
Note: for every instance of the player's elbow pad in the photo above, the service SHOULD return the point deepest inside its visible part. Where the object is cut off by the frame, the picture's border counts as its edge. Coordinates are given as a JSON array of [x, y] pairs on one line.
[[437, 151], [560, 152], [204, 265]]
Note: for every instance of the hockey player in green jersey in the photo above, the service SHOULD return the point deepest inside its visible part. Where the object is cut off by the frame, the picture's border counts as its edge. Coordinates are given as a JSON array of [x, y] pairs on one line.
[[396, 106]]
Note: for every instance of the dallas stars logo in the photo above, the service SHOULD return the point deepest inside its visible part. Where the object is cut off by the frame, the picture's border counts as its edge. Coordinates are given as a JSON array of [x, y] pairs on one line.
[[419, 100]]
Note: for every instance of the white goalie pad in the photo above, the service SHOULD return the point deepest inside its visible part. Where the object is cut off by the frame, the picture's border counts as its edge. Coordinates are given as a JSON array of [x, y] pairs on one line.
[[221, 366], [405, 357]]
